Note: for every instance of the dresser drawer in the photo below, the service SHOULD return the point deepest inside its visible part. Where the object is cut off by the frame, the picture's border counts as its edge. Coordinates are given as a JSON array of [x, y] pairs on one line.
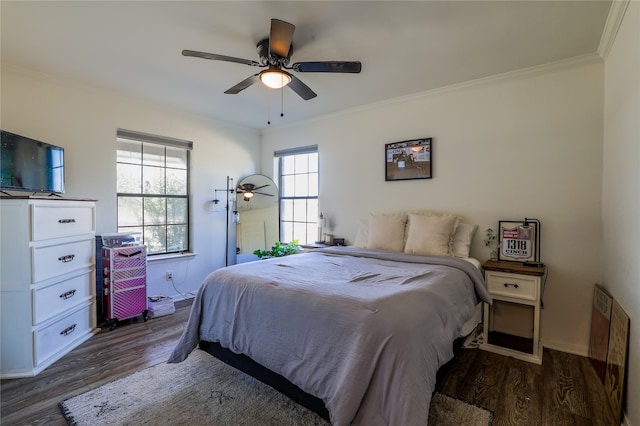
[[54, 260], [511, 285], [56, 220], [60, 297], [55, 337]]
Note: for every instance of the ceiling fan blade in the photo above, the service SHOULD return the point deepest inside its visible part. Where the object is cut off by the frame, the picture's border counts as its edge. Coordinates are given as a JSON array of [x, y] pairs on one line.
[[301, 89], [216, 57], [260, 187], [328, 66], [242, 85], [280, 37], [263, 193]]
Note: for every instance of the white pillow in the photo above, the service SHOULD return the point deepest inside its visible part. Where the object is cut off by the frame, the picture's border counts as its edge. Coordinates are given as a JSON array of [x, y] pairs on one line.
[[462, 237], [438, 214], [386, 231], [430, 235]]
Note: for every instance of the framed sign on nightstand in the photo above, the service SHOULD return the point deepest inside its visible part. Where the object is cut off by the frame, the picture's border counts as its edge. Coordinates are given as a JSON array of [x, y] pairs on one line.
[[518, 241]]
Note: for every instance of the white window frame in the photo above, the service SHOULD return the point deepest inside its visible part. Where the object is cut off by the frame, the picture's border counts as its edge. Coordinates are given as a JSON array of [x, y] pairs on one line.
[[302, 199], [146, 139]]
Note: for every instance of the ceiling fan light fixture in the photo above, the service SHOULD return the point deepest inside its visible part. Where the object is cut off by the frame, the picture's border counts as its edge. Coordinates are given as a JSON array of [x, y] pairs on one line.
[[275, 78], [247, 195]]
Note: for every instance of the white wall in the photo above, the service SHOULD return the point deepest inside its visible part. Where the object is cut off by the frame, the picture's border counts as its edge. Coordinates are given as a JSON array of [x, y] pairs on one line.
[[84, 121], [621, 199], [528, 144]]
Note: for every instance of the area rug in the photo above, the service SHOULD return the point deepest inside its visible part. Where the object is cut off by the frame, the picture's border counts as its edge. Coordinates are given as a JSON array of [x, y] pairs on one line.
[[204, 391]]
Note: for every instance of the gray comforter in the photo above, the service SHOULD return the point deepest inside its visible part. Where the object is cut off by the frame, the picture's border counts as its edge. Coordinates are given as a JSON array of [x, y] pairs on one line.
[[363, 330]]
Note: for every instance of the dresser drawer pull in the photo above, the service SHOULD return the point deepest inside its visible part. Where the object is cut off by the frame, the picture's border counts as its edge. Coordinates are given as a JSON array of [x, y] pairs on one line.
[[68, 330], [67, 258], [67, 221], [68, 294], [511, 285]]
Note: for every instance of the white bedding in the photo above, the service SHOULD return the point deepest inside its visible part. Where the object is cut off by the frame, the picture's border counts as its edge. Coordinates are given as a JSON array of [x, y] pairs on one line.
[[363, 330]]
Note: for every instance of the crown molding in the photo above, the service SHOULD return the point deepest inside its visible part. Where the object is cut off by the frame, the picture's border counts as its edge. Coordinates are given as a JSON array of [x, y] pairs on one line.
[[510, 75], [611, 27]]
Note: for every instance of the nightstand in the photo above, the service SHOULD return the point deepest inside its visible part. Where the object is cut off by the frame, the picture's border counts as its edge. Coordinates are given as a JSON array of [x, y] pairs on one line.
[[512, 323]]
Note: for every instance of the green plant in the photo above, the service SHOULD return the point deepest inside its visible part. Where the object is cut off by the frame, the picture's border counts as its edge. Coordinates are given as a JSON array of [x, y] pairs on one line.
[[279, 250], [491, 241], [490, 238]]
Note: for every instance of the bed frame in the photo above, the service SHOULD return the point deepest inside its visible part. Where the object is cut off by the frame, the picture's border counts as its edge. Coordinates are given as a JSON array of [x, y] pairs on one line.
[[266, 376], [283, 385]]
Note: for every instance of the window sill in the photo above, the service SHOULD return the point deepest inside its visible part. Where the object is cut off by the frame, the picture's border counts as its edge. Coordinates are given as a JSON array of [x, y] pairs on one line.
[[169, 257]]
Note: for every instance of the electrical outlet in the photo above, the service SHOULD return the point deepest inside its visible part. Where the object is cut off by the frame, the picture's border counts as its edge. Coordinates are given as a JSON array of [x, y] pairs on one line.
[[168, 276]]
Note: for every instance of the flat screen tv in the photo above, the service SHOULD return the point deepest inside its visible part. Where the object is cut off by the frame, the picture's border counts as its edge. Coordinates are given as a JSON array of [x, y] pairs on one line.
[[30, 165]]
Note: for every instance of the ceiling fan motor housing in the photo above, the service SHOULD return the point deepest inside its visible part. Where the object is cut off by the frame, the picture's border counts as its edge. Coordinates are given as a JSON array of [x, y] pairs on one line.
[[267, 58]]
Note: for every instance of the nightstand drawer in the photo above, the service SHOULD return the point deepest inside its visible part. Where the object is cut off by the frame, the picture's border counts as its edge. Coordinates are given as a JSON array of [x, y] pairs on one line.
[[511, 285]]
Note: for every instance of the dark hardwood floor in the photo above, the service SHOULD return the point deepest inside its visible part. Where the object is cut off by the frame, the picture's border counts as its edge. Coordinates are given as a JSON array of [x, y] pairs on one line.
[[563, 391]]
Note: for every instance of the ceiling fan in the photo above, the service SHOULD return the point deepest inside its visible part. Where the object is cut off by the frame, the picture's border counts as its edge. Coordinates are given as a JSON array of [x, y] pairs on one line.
[[249, 190], [275, 53]]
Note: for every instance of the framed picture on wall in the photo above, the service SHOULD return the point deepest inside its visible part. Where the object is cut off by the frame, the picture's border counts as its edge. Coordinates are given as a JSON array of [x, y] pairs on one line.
[[517, 241], [411, 159]]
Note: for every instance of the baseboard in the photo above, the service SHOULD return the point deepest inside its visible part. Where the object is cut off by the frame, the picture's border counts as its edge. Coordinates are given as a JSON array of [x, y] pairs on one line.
[[565, 347], [181, 297]]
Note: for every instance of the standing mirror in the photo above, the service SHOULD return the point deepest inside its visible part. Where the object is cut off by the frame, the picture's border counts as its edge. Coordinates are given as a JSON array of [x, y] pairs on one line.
[[257, 204]]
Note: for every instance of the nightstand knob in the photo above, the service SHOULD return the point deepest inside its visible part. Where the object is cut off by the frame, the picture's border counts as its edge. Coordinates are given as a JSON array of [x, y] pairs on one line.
[[511, 285]]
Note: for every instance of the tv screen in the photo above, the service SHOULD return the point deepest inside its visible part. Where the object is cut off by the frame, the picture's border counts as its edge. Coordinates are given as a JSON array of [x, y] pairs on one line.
[[30, 165]]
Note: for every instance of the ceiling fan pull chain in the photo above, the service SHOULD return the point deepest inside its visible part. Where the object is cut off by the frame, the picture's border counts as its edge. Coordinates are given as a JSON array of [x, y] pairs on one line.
[[282, 101], [268, 106]]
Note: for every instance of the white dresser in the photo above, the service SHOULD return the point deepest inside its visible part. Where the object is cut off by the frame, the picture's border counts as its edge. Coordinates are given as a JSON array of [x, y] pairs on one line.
[[47, 281]]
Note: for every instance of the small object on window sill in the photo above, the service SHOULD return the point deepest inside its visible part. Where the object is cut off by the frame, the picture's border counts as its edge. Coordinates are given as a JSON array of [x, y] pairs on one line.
[[316, 245]]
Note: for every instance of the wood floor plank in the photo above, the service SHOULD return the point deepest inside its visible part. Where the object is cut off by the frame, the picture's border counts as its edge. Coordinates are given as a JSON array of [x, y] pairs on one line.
[[486, 383], [563, 391], [520, 403], [600, 410], [566, 387]]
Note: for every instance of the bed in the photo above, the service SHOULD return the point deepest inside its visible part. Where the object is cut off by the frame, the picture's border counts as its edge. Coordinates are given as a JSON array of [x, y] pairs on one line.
[[364, 330]]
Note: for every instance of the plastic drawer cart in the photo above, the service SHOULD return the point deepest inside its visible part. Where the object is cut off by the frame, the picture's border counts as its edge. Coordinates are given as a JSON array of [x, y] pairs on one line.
[[124, 283]]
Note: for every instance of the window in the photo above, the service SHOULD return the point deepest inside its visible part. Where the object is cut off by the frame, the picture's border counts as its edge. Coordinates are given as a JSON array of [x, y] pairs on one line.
[[298, 183], [153, 190]]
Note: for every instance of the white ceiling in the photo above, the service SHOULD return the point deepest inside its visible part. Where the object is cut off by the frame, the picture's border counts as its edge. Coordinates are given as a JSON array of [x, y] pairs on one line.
[[404, 47]]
